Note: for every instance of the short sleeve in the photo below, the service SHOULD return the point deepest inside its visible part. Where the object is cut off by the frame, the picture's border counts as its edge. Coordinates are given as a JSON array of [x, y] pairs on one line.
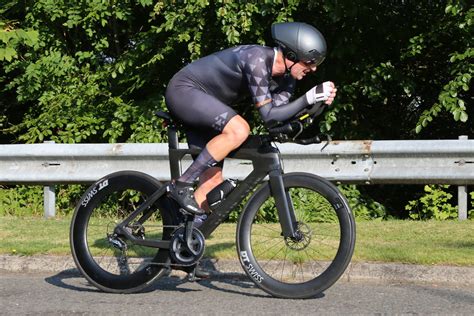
[[256, 63]]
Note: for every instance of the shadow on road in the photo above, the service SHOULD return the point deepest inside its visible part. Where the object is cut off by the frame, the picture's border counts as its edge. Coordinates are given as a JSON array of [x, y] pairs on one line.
[[72, 279], [62, 280]]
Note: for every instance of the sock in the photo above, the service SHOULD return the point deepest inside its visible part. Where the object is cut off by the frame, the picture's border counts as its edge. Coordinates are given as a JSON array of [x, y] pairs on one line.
[[202, 162]]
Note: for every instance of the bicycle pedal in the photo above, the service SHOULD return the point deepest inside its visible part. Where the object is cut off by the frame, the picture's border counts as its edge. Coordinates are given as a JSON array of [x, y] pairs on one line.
[[192, 276], [166, 271]]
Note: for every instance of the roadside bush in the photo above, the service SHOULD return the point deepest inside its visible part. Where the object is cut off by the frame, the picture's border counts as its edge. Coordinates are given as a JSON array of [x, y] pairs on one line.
[[363, 207], [22, 200], [434, 204]]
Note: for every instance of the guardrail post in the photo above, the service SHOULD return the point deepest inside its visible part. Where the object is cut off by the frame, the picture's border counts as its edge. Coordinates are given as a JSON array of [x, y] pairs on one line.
[[49, 201], [49, 197], [462, 195]]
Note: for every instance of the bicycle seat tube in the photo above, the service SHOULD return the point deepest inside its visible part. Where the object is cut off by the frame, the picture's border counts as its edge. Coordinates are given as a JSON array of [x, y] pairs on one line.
[[176, 154]]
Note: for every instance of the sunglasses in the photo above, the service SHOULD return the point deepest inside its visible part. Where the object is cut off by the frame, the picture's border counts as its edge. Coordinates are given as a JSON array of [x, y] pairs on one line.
[[314, 62]]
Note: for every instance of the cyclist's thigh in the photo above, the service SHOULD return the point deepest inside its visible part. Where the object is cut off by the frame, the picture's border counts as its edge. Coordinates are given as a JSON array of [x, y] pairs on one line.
[[197, 109], [202, 115]]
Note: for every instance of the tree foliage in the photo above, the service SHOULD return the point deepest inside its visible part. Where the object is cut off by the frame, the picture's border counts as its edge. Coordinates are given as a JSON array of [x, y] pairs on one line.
[[96, 70], [399, 65]]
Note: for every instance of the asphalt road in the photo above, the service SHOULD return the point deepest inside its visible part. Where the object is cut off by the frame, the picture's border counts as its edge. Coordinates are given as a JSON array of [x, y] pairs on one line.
[[67, 293]]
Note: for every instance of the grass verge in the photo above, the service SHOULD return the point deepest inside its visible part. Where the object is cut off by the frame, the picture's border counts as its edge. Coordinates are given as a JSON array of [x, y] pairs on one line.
[[429, 242]]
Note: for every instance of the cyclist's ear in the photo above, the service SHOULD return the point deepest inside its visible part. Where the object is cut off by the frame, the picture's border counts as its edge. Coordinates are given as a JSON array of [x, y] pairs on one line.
[[291, 56]]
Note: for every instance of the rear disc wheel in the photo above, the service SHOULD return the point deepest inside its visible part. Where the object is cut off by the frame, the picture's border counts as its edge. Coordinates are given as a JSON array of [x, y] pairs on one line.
[[108, 260]]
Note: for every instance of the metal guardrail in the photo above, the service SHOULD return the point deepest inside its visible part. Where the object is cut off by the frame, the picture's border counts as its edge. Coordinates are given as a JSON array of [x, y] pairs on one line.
[[366, 162]]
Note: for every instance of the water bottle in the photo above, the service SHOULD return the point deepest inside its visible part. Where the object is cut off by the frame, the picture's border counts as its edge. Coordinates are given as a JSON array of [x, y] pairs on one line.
[[219, 193]]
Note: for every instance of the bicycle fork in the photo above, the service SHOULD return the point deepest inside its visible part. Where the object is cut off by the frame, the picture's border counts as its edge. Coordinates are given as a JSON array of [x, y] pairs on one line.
[[284, 204]]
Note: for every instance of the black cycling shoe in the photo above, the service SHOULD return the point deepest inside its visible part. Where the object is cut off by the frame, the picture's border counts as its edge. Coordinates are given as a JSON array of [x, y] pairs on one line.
[[183, 194]]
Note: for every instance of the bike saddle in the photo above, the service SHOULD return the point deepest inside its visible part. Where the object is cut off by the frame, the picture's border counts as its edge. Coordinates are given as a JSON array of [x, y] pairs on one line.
[[165, 116]]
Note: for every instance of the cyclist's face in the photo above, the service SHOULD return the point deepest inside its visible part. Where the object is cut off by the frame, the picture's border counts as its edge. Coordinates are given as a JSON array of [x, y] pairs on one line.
[[300, 69]]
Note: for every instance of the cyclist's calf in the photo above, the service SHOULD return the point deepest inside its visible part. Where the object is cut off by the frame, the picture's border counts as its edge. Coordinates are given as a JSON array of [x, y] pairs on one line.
[[208, 180]]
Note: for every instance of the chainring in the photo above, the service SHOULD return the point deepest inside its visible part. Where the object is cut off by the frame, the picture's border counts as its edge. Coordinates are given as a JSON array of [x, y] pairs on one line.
[[179, 251]]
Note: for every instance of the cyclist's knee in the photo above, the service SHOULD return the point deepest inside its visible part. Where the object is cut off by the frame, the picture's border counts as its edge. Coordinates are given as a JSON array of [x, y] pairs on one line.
[[238, 129]]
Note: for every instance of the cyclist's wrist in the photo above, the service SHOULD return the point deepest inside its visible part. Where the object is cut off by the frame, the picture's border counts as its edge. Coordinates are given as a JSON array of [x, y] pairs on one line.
[[320, 93]]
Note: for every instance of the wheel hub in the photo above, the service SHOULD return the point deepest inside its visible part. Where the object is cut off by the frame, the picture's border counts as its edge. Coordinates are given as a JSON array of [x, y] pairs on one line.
[[301, 239]]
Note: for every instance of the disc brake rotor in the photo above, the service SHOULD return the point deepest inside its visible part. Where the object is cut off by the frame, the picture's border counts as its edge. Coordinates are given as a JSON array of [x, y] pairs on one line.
[[302, 239]]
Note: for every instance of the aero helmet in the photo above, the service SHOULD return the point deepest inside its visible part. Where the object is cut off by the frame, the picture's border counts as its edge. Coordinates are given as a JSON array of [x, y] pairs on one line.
[[300, 42]]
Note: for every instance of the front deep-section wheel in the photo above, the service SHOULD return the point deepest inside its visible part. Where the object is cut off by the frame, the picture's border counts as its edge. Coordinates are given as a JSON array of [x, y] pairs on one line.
[[310, 262], [109, 261]]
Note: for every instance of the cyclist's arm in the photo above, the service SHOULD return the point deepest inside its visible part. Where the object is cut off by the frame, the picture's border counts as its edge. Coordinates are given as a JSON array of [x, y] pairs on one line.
[[312, 101], [272, 114]]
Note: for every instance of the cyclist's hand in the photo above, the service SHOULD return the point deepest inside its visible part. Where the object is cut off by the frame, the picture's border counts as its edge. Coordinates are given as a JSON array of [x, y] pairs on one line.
[[325, 92], [332, 96]]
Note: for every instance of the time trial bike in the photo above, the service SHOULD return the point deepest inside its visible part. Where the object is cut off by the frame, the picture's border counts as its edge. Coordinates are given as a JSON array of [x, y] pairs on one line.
[[295, 236]]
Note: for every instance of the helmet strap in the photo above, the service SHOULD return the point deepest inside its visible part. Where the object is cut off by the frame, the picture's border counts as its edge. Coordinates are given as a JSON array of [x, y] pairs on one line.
[[288, 69], [291, 57]]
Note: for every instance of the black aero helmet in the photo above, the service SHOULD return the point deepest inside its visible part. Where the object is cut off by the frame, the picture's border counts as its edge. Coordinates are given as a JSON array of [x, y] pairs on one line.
[[300, 42]]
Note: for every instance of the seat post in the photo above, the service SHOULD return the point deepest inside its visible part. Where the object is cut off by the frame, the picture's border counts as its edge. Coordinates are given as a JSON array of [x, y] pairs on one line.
[[172, 137], [173, 151], [173, 144]]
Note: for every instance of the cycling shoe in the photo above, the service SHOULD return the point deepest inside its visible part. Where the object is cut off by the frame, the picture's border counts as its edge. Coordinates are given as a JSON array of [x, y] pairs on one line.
[[183, 194]]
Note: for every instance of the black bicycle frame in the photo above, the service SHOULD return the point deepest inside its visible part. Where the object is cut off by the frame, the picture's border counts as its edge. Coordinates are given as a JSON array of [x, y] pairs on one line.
[[265, 159]]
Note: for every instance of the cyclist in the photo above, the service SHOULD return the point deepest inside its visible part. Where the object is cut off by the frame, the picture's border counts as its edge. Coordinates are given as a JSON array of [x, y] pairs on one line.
[[201, 94]]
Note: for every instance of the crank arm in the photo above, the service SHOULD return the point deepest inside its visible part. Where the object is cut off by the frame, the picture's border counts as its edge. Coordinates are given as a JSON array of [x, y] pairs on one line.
[[188, 235], [162, 244]]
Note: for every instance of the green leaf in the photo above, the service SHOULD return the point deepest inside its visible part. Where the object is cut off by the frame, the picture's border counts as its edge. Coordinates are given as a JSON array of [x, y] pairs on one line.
[[7, 53], [457, 115], [146, 2], [448, 8]]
